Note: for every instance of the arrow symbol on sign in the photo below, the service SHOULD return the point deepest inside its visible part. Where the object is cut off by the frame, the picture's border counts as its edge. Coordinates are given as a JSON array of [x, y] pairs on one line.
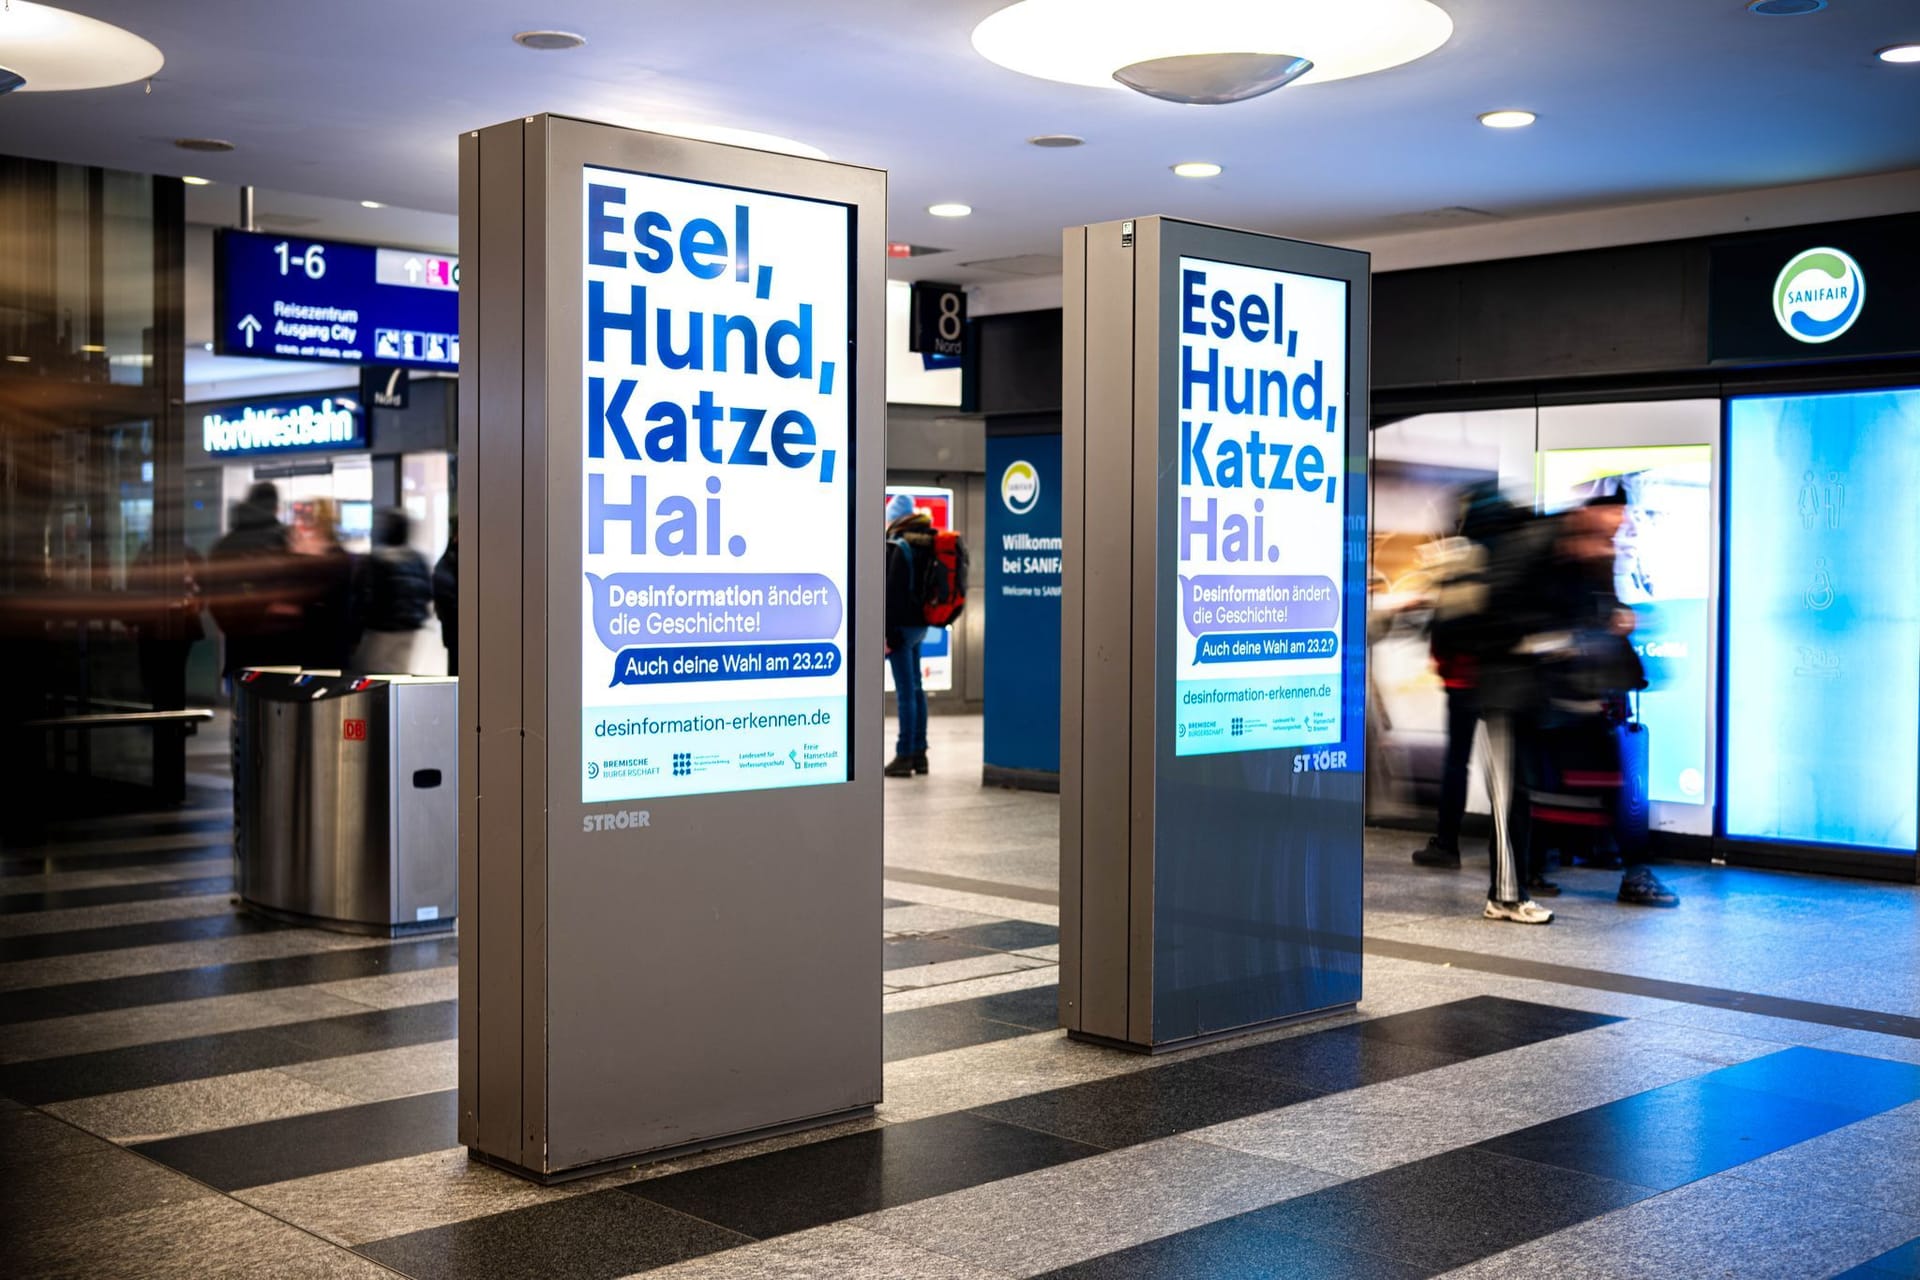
[[413, 269], [249, 325]]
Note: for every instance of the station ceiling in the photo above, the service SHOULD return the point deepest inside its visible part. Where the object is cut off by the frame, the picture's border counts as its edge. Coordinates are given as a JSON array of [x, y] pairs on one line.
[[1638, 100]]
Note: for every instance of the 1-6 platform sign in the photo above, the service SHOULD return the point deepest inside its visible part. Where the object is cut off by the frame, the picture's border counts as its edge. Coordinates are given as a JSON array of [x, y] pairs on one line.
[[333, 302]]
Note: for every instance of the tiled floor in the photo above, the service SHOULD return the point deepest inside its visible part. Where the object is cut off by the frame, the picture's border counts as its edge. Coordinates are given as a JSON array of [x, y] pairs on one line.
[[1732, 1089]]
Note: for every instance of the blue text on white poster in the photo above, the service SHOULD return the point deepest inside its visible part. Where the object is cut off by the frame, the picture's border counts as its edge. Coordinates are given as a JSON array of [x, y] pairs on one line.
[[714, 499], [1259, 524]]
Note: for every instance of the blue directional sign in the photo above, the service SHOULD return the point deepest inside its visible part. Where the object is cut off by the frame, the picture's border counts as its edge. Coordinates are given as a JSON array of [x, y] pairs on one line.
[[327, 301]]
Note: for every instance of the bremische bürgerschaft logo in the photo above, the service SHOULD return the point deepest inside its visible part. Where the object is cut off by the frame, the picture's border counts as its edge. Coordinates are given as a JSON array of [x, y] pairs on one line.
[[1020, 488], [1818, 295]]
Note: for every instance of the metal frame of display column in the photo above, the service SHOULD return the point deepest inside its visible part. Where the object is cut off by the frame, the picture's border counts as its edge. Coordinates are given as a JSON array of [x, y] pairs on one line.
[[688, 959], [1206, 888]]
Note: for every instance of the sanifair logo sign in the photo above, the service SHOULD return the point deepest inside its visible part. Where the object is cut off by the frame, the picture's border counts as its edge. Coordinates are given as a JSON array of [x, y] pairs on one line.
[[1818, 295], [1020, 488], [280, 426]]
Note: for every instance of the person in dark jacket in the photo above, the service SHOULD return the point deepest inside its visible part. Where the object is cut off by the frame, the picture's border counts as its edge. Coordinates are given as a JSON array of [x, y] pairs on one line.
[[909, 534], [327, 577], [253, 589], [446, 600], [396, 594], [1585, 692]]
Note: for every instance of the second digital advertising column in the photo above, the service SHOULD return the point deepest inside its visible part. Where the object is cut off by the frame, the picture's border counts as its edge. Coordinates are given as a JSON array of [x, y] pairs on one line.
[[1214, 610]]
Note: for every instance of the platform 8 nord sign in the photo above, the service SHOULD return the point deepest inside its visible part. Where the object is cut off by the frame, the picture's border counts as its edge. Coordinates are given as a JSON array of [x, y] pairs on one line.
[[715, 488]]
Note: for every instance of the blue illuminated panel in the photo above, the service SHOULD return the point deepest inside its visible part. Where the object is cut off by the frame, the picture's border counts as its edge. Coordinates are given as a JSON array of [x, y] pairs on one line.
[[1823, 619], [326, 301]]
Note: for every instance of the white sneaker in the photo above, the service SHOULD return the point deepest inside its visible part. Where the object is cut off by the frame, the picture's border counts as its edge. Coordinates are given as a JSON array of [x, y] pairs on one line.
[[1525, 911]]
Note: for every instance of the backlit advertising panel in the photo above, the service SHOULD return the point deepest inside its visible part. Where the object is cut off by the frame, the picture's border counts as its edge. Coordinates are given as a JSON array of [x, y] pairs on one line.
[[716, 477], [1259, 526], [1823, 619]]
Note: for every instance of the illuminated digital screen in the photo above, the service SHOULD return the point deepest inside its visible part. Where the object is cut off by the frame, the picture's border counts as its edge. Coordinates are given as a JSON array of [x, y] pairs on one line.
[[1823, 618], [716, 457], [1663, 571], [1259, 524]]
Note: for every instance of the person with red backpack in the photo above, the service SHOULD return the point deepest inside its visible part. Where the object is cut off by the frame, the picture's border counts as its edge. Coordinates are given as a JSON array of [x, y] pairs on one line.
[[906, 633], [926, 587]]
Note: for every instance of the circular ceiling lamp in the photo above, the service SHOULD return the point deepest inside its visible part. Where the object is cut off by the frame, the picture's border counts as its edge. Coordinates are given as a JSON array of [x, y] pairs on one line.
[[549, 41], [1208, 51], [47, 50]]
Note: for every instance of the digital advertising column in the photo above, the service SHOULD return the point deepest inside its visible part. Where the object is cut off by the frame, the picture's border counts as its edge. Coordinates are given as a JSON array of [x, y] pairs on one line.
[[1214, 682], [671, 447]]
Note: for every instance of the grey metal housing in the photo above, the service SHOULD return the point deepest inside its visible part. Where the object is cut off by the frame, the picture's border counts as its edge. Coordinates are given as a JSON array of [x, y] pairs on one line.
[[1202, 895], [714, 974]]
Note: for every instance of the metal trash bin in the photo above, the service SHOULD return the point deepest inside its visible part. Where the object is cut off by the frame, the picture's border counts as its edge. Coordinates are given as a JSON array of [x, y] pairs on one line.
[[346, 799]]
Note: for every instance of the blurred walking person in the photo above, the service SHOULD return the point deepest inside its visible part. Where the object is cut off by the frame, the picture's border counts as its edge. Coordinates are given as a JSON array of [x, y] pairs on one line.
[[396, 595], [327, 576], [446, 599], [254, 596], [1586, 711]]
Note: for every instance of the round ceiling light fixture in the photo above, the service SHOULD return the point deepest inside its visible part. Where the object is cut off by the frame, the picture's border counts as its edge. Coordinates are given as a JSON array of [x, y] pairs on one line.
[[212, 146], [1507, 119], [949, 210], [192, 181], [1055, 140], [1785, 8], [1197, 169], [371, 204], [1899, 54], [549, 41], [49, 50], [1208, 51]]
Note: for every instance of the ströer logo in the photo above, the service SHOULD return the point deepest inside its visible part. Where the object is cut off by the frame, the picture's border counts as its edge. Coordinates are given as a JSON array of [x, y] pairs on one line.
[[1020, 488], [1818, 295]]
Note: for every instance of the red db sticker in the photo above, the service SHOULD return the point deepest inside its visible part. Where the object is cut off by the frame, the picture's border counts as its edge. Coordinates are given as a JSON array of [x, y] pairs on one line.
[[353, 730]]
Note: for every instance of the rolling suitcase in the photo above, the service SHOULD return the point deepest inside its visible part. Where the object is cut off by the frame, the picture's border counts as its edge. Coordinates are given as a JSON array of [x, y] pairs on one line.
[[1633, 806]]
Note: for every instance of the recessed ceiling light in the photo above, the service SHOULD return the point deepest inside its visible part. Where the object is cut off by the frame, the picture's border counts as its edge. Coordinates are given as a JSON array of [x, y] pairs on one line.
[[1220, 50], [1507, 119], [1055, 140], [1900, 53], [1197, 169], [371, 204], [192, 181], [949, 210], [19, 359], [736, 137], [94, 348], [549, 41], [49, 49], [211, 145], [1785, 8]]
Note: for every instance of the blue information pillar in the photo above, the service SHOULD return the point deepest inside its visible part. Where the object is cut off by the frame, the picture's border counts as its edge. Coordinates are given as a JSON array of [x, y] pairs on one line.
[[1022, 554]]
